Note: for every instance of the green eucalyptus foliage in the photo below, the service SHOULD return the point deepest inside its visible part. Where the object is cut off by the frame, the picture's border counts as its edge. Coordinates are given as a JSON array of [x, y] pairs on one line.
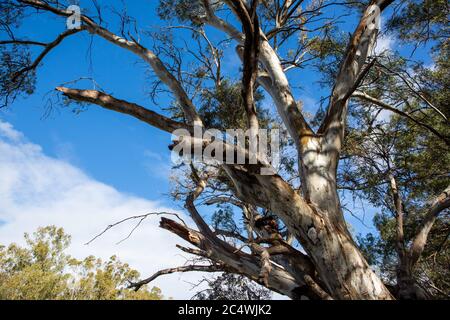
[[42, 270], [379, 144], [223, 218], [421, 21], [222, 107], [184, 10], [420, 163]]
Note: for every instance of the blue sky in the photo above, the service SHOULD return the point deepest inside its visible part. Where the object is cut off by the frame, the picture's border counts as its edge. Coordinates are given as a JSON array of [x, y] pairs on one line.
[[110, 147], [104, 148]]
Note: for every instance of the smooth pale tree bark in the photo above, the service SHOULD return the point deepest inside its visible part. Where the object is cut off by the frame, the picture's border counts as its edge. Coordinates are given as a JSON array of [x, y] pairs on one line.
[[323, 233], [408, 288]]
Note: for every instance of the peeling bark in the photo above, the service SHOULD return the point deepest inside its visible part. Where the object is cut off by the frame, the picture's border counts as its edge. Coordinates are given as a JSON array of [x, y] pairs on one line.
[[278, 279], [334, 254]]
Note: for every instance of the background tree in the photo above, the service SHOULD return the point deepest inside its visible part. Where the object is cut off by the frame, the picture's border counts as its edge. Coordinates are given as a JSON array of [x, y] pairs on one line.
[[44, 271], [286, 231], [229, 286]]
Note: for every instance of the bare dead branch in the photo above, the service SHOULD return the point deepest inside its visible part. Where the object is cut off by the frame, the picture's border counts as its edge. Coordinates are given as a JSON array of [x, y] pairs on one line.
[[236, 262], [439, 204], [24, 42], [197, 268], [359, 48], [109, 102], [141, 218]]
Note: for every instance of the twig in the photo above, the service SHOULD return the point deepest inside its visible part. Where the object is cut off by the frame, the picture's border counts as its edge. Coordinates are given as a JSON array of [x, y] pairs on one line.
[[140, 217]]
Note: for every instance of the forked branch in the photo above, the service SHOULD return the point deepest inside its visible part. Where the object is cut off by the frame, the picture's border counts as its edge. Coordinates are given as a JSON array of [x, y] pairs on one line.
[[190, 268]]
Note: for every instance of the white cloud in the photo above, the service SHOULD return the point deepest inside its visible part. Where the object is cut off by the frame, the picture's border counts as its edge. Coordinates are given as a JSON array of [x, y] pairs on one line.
[[7, 131], [37, 190], [384, 115], [384, 43]]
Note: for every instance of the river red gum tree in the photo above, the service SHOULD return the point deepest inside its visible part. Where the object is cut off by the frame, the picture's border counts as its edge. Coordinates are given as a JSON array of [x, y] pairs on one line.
[[330, 264]]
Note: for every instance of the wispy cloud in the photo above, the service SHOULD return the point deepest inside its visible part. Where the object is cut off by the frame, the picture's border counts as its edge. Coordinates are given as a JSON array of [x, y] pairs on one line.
[[38, 190], [7, 131], [157, 166]]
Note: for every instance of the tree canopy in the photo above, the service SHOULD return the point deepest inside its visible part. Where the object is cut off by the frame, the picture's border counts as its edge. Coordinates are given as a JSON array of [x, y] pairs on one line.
[[42, 270]]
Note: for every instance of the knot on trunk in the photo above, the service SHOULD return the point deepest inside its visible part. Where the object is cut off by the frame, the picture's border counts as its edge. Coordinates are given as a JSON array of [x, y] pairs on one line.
[[312, 235]]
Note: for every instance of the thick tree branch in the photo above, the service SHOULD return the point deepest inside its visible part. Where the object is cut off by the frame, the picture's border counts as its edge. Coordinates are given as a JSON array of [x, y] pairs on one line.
[[220, 24], [359, 49], [398, 207], [279, 280], [24, 42], [439, 204], [190, 206], [250, 24], [109, 102], [277, 85], [156, 120]]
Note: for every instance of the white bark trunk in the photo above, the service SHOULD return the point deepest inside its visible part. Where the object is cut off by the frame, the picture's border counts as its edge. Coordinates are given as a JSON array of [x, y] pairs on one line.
[[337, 258], [338, 261]]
